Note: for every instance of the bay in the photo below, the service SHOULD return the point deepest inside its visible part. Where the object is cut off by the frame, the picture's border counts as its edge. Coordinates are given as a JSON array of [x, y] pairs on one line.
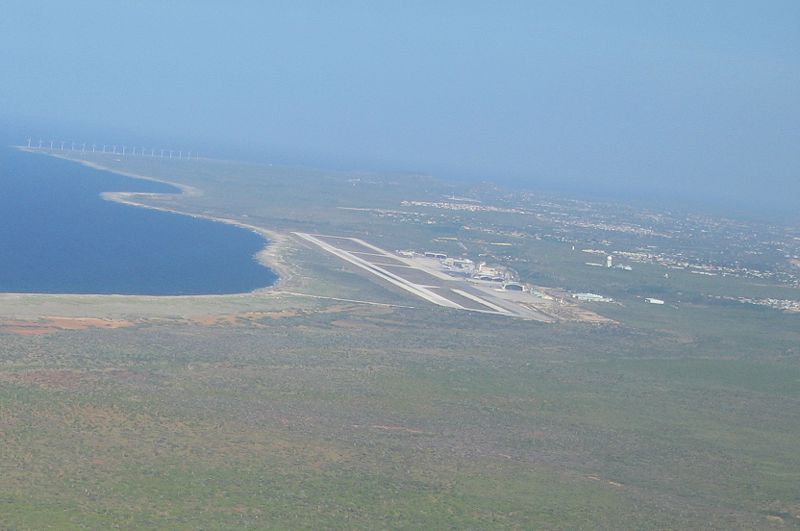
[[57, 235]]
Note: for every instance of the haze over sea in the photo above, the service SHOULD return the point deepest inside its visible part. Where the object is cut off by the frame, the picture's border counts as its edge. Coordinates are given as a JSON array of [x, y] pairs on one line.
[[57, 235]]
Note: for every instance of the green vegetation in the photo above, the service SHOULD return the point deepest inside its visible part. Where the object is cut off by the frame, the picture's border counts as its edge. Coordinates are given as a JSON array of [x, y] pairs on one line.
[[295, 411]]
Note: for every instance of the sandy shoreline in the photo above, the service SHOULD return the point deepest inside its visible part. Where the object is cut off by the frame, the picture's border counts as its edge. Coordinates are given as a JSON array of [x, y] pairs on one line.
[[269, 256]]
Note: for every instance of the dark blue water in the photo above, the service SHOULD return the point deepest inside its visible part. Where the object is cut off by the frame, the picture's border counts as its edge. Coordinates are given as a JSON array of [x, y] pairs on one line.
[[57, 235]]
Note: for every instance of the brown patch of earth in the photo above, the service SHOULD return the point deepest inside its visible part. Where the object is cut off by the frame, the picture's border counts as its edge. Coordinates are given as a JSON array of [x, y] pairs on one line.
[[82, 323], [242, 319], [50, 324], [214, 320]]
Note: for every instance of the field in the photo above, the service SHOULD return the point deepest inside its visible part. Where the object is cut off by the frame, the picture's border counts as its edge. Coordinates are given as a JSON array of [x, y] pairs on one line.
[[336, 400]]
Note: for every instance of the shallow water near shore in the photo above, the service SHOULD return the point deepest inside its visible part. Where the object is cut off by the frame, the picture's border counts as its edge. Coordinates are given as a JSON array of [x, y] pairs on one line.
[[57, 235]]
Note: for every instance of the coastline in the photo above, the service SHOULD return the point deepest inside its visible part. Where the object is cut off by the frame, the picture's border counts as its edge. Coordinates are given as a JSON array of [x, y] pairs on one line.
[[269, 256]]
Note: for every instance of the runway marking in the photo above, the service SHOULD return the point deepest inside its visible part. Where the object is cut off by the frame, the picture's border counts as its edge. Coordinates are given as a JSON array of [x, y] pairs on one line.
[[390, 277]]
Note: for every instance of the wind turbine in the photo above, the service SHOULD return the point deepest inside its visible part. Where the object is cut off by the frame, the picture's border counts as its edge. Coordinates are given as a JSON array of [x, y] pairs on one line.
[[83, 147], [62, 145], [133, 150], [115, 150], [72, 147], [104, 148], [29, 142], [123, 151], [51, 145], [40, 143], [170, 153], [93, 146], [180, 154], [162, 153]]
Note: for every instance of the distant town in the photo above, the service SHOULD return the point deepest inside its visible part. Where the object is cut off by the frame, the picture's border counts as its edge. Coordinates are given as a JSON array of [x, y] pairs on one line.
[[612, 236]]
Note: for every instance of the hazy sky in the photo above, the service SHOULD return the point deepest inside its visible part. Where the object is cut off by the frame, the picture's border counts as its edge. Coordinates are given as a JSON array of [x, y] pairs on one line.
[[681, 98]]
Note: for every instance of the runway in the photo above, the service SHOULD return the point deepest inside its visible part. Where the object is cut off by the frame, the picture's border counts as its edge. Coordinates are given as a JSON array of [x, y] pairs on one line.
[[426, 283]]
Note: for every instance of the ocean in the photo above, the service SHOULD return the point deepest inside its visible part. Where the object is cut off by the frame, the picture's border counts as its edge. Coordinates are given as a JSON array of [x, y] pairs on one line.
[[57, 235]]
